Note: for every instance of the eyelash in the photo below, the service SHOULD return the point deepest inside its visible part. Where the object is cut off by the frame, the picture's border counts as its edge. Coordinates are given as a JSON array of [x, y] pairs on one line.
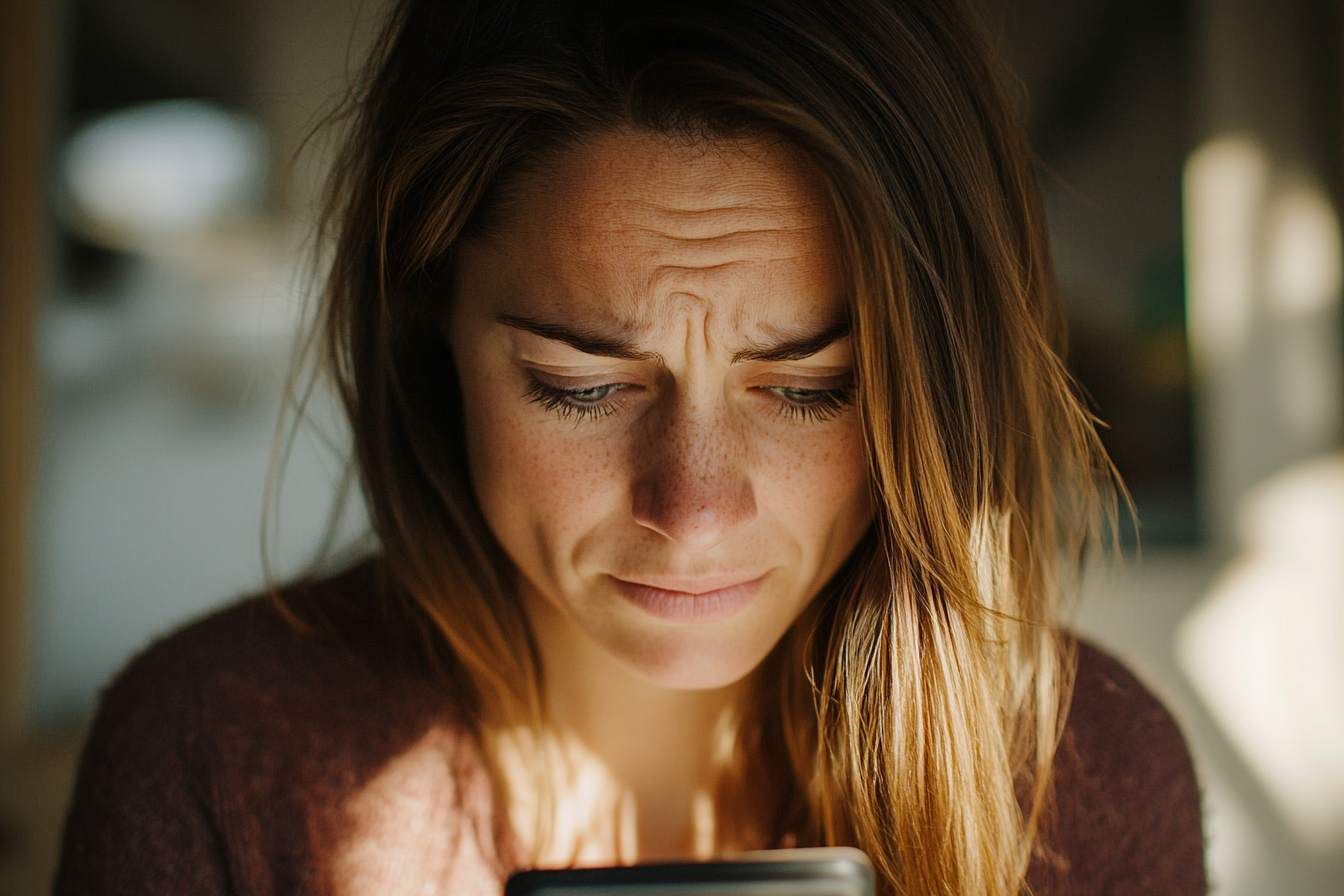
[[828, 403], [562, 401]]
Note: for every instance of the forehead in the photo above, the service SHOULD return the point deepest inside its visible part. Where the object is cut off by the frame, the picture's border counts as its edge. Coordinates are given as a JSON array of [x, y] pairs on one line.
[[636, 227]]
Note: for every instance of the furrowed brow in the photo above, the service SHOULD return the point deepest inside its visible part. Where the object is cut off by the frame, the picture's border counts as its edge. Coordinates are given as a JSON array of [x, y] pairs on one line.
[[586, 341], [796, 349]]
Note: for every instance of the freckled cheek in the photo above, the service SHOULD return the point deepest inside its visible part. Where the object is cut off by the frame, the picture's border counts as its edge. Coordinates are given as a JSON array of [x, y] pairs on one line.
[[818, 483], [541, 479]]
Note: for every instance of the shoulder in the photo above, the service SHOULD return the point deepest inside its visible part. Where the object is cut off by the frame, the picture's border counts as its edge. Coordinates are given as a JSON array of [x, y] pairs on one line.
[[1116, 724], [329, 656], [228, 750], [1127, 802]]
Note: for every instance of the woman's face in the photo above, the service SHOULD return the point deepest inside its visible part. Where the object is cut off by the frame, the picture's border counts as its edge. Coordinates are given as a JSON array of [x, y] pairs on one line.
[[657, 383]]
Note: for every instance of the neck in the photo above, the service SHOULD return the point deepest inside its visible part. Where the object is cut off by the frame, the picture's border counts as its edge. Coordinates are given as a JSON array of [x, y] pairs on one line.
[[647, 749]]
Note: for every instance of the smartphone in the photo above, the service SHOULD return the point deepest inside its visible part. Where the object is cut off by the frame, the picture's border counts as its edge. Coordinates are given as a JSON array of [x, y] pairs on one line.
[[824, 871]]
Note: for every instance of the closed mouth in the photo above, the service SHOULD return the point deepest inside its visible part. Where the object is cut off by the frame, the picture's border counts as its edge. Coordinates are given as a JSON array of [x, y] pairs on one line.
[[703, 600]]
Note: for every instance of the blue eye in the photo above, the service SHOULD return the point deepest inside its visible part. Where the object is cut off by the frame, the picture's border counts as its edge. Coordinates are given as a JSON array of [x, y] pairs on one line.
[[576, 404], [590, 396], [812, 404]]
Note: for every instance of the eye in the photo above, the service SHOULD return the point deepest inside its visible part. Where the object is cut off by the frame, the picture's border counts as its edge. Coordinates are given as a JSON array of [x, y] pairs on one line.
[[812, 404], [592, 395], [577, 404]]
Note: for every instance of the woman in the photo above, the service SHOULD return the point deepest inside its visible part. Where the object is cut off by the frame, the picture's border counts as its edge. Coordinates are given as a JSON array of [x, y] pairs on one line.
[[703, 361]]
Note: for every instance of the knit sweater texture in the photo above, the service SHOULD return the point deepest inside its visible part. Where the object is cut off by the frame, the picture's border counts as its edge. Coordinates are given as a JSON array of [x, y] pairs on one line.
[[247, 755]]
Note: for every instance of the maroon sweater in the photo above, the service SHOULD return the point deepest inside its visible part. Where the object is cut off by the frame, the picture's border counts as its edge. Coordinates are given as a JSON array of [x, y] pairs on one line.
[[242, 756]]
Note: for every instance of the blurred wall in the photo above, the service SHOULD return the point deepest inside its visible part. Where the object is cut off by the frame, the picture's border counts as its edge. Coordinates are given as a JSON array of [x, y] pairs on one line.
[[165, 362], [1190, 154], [1105, 91]]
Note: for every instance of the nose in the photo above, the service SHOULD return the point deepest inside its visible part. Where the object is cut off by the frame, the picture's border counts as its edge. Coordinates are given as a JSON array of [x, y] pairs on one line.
[[694, 486]]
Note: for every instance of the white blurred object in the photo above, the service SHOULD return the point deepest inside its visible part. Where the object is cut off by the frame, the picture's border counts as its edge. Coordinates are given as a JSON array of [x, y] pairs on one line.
[[1265, 647], [1308, 381], [1304, 266], [156, 172], [214, 296], [1237, 862], [1225, 182], [1303, 278]]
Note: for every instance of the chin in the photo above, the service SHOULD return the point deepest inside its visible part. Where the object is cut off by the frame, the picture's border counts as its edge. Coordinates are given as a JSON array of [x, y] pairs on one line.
[[691, 661]]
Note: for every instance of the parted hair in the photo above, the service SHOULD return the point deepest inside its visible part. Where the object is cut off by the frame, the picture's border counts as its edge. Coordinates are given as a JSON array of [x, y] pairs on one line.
[[914, 709]]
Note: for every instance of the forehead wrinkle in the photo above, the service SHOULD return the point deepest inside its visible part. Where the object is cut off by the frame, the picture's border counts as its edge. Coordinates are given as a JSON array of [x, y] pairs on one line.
[[713, 275], [776, 241], [716, 224], [765, 203], [744, 335], [737, 229], [657, 255], [729, 235]]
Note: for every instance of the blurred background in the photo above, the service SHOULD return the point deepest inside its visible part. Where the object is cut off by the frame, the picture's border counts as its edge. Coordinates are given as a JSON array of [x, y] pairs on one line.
[[154, 219]]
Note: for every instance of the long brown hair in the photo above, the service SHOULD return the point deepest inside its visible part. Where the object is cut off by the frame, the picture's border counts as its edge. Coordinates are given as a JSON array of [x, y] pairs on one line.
[[915, 709]]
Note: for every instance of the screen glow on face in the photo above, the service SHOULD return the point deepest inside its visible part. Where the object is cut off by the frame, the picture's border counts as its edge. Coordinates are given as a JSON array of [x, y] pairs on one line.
[[658, 389]]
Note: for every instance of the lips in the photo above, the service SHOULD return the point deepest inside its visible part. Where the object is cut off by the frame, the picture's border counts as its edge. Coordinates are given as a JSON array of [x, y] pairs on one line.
[[692, 600]]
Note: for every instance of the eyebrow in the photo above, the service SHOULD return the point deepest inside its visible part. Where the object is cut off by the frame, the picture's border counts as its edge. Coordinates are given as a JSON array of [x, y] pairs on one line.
[[586, 341], [797, 349], [601, 345]]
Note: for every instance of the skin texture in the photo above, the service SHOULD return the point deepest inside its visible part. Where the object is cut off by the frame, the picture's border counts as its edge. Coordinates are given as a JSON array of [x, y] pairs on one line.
[[669, 451]]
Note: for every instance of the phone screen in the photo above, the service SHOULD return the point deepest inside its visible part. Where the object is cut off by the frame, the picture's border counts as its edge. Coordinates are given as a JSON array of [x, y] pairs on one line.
[[828, 871]]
